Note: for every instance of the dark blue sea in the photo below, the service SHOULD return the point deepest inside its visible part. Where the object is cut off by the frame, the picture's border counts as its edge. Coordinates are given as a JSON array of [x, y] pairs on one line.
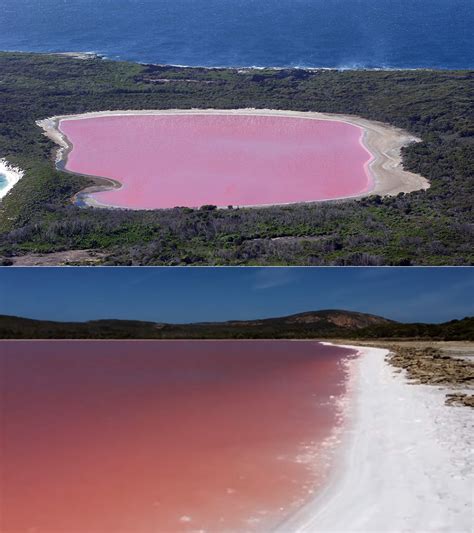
[[279, 33]]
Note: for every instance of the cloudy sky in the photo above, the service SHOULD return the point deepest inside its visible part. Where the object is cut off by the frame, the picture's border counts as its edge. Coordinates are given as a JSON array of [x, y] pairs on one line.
[[202, 294]]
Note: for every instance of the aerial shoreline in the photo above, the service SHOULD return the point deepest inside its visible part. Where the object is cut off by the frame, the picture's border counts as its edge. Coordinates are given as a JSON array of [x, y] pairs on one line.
[[390, 422], [12, 175], [381, 141], [90, 55]]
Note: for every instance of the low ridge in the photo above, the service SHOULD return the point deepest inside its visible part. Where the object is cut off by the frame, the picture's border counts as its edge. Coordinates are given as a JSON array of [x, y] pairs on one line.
[[331, 323]]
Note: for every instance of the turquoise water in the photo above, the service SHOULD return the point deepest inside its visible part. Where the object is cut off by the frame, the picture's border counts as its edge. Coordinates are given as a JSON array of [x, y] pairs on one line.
[[3, 182], [280, 33]]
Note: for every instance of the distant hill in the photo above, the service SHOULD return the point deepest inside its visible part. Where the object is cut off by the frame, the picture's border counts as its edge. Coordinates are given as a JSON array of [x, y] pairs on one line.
[[313, 324]]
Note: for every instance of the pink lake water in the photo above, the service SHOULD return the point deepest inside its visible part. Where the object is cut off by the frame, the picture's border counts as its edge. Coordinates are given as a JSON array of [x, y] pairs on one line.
[[164, 161], [163, 436]]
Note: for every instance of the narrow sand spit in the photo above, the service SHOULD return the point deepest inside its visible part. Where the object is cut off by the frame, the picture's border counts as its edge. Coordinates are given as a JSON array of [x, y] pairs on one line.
[[384, 142], [12, 174], [406, 465]]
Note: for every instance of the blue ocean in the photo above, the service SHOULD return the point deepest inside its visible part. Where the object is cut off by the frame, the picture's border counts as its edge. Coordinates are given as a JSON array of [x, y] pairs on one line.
[[278, 33]]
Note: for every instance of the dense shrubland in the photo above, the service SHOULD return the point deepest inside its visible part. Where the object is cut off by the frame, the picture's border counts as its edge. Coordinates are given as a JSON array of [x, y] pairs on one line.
[[427, 227]]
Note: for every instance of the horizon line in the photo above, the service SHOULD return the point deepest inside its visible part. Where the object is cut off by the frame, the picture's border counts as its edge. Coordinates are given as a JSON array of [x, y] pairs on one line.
[[108, 318]]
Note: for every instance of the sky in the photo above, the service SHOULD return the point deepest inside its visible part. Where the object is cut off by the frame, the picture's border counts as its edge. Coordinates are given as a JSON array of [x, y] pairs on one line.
[[180, 295]]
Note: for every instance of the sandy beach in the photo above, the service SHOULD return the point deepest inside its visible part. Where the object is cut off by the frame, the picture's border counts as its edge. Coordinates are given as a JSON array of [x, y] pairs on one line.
[[384, 142], [12, 174], [406, 462]]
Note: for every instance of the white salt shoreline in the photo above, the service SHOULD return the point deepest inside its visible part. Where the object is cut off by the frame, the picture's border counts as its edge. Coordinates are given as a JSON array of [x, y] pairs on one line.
[[12, 174], [405, 463]]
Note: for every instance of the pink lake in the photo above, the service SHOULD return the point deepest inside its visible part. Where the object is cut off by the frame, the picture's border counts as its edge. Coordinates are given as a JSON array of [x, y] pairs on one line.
[[164, 436], [164, 161]]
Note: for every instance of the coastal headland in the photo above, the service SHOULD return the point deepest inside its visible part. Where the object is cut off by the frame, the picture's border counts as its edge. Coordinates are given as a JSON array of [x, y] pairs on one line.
[[41, 220]]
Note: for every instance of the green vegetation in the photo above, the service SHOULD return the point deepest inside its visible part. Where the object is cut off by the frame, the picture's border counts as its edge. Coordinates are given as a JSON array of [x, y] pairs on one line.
[[310, 325], [423, 228]]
